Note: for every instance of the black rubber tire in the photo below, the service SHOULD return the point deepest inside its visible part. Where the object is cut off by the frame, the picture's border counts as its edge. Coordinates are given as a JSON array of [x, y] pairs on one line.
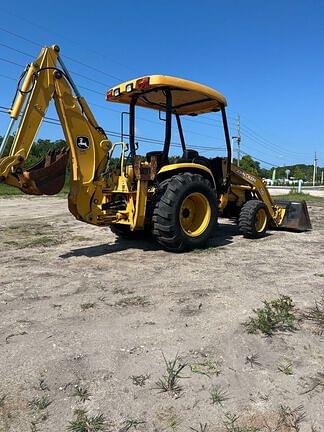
[[167, 229], [247, 219]]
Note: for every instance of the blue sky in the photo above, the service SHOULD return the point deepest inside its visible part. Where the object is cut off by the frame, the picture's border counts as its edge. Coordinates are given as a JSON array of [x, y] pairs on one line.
[[265, 57]]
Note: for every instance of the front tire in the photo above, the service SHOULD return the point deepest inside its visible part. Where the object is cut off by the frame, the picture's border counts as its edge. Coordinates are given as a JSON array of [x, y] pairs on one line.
[[254, 219], [185, 212]]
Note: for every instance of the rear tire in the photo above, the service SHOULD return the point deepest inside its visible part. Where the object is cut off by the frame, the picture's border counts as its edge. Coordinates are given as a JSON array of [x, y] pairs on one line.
[[185, 212], [254, 219]]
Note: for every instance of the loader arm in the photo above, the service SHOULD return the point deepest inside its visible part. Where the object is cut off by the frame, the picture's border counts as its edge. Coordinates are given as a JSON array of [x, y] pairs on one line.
[[242, 180], [283, 214], [47, 79]]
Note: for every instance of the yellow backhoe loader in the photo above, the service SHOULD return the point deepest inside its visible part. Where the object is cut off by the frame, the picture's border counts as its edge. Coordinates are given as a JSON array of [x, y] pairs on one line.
[[178, 202]]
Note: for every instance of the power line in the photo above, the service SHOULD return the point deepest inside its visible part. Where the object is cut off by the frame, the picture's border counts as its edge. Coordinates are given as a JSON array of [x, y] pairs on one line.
[[11, 62], [144, 139], [72, 42], [270, 147], [14, 49], [20, 37], [148, 140], [106, 85], [259, 160], [93, 68], [254, 136], [67, 57], [101, 94], [80, 86], [268, 142], [257, 145], [7, 77]]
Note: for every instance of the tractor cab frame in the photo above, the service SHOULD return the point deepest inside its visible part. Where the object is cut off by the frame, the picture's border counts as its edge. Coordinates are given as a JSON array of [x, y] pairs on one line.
[[176, 97]]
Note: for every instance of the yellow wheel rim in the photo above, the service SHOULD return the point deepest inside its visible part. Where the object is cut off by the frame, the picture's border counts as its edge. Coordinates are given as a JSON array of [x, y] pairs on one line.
[[260, 220], [195, 214]]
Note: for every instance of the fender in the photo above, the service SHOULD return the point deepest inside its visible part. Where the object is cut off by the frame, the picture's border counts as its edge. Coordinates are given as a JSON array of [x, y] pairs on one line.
[[170, 170]]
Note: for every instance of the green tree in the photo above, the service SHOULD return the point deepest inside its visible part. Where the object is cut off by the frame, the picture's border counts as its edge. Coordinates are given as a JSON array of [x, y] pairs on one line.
[[298, 173], [250, 165]]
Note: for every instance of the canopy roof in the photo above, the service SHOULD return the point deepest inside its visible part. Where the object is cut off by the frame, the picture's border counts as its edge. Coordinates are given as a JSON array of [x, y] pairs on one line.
[[188, 97]]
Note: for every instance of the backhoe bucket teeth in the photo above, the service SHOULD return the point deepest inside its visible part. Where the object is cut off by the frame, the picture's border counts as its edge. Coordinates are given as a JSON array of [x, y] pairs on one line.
[[48, 175], [296, 216]]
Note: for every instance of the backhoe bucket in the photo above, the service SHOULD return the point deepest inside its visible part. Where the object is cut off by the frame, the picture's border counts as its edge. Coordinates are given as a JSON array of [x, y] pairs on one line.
[[296, 216], [48, 175]]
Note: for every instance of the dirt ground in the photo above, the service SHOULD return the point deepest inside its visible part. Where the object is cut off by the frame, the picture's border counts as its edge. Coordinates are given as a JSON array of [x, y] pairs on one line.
[[83, 313]]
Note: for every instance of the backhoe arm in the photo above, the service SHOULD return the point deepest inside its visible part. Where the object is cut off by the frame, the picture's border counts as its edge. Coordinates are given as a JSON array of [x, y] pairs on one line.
[[44, 80]]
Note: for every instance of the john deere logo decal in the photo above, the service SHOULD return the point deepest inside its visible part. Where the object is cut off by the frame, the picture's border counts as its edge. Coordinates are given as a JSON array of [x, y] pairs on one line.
[[83, 143]]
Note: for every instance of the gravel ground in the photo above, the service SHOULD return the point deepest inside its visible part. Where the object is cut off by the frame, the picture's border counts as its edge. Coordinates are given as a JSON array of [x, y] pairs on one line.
[[84, 313]]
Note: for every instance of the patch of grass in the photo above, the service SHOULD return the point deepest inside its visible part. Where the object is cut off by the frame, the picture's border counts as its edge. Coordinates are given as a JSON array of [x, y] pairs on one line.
[[123, 291], [231, 424], [275, 315], [33, 426], [85, 423], [8, 191], [82, 393], [285, 367], [170, 419], [315, 383], [2, 400], [315, 314], [173, 422], [44, 241], [295, 196], [65, 190], [218, 395], [42, 384], [131, 423], [139, 380], [292, 418], [201, 428], [40, 403], [252, 360], [207, 367], [86, 306], [170, 381], [132, 301]]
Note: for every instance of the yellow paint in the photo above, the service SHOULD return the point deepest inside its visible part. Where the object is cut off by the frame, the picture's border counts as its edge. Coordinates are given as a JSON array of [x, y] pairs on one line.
[[187, 166], [260, 220], [195, 214], [210, 99]]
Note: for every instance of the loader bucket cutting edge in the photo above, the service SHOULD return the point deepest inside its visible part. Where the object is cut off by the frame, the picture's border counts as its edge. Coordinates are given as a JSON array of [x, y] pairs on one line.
[[49, 174], [296, 216]]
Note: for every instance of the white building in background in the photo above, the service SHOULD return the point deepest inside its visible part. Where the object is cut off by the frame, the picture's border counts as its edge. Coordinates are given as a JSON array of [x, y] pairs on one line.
[[281, 181]]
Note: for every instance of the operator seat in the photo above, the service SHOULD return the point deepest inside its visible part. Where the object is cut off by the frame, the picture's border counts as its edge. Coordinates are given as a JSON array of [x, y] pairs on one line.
[[192, 156]]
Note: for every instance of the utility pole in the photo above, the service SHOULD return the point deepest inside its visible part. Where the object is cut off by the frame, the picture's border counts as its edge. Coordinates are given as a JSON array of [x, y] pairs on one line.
[[315, 170], [237, 138]]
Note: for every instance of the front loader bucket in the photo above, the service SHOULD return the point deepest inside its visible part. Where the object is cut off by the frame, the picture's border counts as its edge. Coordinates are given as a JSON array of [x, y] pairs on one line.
[[47, 176], [296, 216]]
